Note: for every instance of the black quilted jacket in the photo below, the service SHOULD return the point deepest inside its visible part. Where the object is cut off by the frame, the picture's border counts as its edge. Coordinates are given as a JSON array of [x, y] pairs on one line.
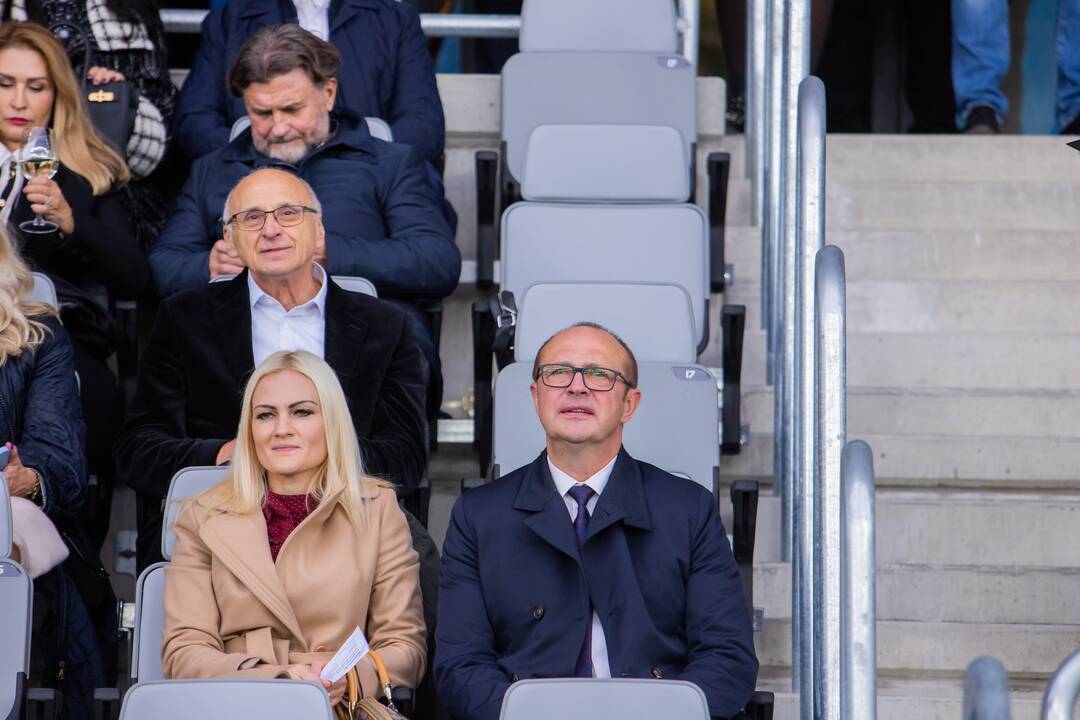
[[40, 412]]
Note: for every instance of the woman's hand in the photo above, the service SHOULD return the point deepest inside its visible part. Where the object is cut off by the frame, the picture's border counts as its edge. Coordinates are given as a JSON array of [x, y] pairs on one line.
[[48, 200], [101, 75], [337, 690], [21, 480]]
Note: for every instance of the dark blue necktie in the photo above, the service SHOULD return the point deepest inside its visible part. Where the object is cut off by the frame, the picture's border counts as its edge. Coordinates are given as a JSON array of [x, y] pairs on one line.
[[581, 495]]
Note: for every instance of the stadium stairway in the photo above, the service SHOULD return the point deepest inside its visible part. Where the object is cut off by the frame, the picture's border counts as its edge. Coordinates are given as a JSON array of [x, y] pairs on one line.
[[963, 376]]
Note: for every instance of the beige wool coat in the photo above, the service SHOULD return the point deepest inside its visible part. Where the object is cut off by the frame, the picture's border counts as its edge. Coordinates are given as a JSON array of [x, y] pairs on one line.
[[232, 611]]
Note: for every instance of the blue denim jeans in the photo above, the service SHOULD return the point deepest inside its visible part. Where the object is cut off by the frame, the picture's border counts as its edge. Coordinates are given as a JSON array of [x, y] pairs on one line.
[[980, 57]]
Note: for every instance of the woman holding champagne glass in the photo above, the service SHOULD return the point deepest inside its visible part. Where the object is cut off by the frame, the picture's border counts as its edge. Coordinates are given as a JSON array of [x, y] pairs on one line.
[[87, 245]]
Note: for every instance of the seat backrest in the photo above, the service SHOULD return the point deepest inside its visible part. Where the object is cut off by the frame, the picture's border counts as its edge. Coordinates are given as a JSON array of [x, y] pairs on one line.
[[665, 244], [44, 291], [676, 427], [605, 163], [583, 88], [5, 520], [356, 285], [378, 128], [226, 700], [186, 483], [655, 320], [16, 608], [578, 698], [149, 624], [598, 25]]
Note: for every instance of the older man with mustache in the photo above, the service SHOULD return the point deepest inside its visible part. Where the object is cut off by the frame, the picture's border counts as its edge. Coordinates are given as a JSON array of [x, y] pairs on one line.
[[383, 218]]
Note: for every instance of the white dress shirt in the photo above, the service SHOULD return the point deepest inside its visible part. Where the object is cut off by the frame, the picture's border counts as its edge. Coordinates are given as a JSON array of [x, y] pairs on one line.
[[597, 482], [274, 328], [314, 16]]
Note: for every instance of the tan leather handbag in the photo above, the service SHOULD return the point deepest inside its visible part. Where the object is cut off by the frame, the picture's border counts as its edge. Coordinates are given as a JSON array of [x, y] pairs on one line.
[[356, 707]]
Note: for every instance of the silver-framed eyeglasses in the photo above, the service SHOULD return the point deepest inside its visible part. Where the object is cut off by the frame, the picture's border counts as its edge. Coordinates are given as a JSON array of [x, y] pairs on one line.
[[601, 379], [285, 216]]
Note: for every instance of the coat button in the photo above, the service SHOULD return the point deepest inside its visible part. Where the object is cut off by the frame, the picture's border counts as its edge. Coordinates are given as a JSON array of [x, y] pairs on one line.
[[538, 612], [514, 678], [657, 673]]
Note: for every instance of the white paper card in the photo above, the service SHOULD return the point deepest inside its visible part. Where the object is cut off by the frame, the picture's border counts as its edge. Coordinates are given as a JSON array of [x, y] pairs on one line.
[[352, 652]]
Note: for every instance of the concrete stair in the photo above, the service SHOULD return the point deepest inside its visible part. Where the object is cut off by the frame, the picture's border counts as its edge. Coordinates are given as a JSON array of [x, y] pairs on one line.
[[963, 338]]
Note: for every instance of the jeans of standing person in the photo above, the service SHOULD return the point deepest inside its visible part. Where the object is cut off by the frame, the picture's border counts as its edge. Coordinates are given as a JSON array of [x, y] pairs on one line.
[[980, 57]]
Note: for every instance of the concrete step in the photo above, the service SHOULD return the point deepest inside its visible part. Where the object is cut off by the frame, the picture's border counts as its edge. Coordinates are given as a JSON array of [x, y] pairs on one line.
[[941, 306], [991, 413], [928, 650], [966, 158], [957, 254], [941, 702], [945, 360], [940, 205], [935, 461], [1034, 531], [948, 593]]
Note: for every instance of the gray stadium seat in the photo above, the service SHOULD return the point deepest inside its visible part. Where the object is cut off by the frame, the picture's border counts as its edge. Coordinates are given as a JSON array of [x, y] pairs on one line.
[[44, 291], [676, 427], [226, 700], [598, 25], [595, 89], [186, 483], [655, 320], [16, 606], [149, 624], [378, 128], [585, 699]]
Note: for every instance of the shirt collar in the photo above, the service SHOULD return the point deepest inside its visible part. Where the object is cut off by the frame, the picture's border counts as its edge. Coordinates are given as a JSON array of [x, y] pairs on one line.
[[256, 293], [597, 482]]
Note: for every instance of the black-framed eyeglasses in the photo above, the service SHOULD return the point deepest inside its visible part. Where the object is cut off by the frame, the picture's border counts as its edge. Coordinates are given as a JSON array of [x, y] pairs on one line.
[[285, 216], [595, 378]]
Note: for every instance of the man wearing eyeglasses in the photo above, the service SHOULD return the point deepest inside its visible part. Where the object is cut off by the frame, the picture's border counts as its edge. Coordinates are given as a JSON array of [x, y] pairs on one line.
[[586, 562], [206, 342]]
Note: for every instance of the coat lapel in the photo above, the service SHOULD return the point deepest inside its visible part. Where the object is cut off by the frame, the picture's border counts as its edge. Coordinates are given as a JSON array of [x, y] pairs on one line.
[[623, 499], [229, 326], [239, 541], [345, 333], [550, 520]]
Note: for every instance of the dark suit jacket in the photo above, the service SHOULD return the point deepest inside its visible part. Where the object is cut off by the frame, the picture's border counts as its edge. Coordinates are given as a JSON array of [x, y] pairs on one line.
[[386, 71], [191, 383], [514, 591]]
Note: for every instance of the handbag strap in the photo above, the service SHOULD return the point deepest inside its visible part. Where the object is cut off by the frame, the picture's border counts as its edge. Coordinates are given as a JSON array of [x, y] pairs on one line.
[[59, 30], [384, 678], [353, 691]]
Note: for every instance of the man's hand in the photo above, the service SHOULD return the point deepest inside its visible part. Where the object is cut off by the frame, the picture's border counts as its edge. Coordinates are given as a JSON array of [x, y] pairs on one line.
[[225, 454], [224, 260], [21, 480]]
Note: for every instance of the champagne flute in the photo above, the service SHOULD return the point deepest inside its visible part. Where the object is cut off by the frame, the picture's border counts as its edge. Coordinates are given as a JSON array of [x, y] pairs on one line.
[[37, 159]]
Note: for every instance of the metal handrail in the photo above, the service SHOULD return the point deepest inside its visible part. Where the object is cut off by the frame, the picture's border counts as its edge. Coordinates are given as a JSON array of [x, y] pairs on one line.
[[986, 690], [830, 416], [858, 614], [809, 239], [177, 20], [1063, 690]]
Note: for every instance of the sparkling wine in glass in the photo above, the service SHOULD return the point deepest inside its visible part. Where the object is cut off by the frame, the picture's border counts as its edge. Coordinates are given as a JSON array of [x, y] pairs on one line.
[[37, 159]]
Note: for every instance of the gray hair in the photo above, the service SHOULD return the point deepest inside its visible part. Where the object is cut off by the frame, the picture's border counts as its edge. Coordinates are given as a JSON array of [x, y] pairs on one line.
[[225, 214], [279, 49]]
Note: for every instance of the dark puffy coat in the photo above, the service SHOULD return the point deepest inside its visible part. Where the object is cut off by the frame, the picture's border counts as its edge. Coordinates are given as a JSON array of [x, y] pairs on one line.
[[382, 216], [386, 71], [40, 412]]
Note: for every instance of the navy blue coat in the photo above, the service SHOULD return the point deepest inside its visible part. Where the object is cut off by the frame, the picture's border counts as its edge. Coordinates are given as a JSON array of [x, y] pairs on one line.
[[383, 218], [514, 591], [40, 412], [386, 71]]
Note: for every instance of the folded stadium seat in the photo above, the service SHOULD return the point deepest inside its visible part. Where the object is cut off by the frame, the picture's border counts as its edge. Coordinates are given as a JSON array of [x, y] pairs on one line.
[[226, 700], [602, 204], [577, 698], [44, 291], [605, 61]]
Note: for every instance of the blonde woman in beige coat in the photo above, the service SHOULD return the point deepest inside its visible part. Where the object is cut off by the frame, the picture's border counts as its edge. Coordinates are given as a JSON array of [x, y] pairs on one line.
[[275, 567]]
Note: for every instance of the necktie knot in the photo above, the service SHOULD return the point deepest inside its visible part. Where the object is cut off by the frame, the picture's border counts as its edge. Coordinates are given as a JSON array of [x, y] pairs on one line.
[[581, 494]]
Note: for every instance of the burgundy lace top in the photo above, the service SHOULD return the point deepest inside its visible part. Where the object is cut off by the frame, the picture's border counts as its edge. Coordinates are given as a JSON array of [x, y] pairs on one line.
[[283, 513]]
